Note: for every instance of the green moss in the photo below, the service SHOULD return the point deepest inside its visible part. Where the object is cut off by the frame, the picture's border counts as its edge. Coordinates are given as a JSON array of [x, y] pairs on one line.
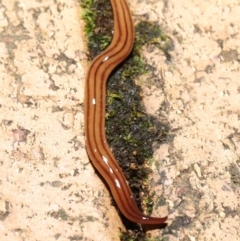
[[149, 205], [89, 16], [98, 27]]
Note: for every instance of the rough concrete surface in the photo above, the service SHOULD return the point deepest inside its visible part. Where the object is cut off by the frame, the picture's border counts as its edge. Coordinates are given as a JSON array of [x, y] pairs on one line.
[[49, 190]]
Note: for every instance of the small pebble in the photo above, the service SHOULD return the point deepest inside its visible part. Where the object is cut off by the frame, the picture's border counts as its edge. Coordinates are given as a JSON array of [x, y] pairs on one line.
[[222, 214]]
